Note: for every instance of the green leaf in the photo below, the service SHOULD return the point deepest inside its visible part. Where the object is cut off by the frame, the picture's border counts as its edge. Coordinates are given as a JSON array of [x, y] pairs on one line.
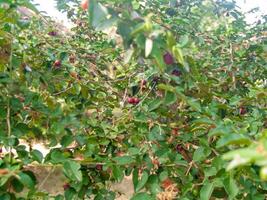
[[183, 40], [169, 88], [57, 156], [117, 112], [26, 180], [177, 52], [17, 185], [170, 40], [157, 55], [149, 46], [194, 104], [66, 140], [142, 196], [117, 173], [37, 155], [163, 175], [135, 178], [201, 154], [153, 184], [154, 104], [123, 160], [231, 187], [231, 139], [206, 191], [170, 98], [97, 14], [142, 182], [72, 170]]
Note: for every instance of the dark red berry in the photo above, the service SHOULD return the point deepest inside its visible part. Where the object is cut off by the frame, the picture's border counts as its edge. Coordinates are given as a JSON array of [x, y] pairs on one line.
[[242, 110], [57, 63], [66, 186], [136, 100], [130, 100], [143, 82], [179, 148], [99, 167], [52, 33], [168, 59], [1, 150], [176, 72]]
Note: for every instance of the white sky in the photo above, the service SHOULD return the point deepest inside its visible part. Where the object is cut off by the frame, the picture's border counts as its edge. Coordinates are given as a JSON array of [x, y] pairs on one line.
[[49, 7]]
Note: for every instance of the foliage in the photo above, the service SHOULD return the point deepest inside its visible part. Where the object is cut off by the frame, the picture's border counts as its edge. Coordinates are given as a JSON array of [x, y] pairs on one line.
[[178, 93]]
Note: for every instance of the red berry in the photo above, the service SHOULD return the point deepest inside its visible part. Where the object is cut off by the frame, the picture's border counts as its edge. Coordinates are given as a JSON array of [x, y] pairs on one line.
[[52, 33], [168, 59], [143, 82], [84, 4], [57, 63], [130, 100], [179, 148], [1, 150], [136, 100], [66, 186], [99, 167], [242, 110]]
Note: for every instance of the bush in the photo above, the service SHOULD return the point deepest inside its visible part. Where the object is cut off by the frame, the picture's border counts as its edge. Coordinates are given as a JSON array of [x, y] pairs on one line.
[[177, 99]]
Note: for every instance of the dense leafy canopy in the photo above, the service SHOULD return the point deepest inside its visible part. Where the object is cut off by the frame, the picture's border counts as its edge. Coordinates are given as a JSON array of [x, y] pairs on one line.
[[177, 98]]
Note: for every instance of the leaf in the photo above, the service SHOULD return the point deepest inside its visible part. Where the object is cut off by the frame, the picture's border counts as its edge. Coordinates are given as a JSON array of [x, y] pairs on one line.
[[232, 139], [200, 154], [154, 104], [206, 191], [248, 153], [149, 46], [170, 40], [142, 196], [133, 151], [157, 55], [97, 13], [142, 182], [57, 156], [242, 156], [17, 185], [72, 170], [123, 160], [37, 155], [135, 178], [230, 187], [128, 55], [169, 88], [170, 98], [153, 184], [117, 112], [66, 140], [184, 40], [177, 52], [194, 104], [117, 173], [26, 180]]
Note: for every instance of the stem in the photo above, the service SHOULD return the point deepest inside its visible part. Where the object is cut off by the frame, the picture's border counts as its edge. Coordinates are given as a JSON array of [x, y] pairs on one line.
[[8, 101], [232, 62], [9, 130]]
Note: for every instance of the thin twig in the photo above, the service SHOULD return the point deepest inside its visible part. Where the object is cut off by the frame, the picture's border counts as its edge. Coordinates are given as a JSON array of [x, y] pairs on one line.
[[63, 91], [9, 130], [45, 179], [231, 65]]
